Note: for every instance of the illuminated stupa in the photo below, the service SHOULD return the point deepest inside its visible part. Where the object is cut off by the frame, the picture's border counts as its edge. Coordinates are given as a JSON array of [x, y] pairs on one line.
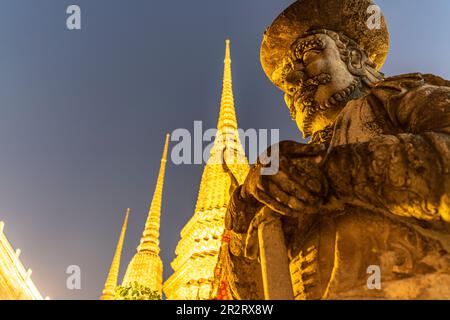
[[198, 249], [146, 268], [143, 277], [108, 292]]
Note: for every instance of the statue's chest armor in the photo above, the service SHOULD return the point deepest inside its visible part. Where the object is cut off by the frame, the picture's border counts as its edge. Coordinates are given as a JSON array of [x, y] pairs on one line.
[[338, 250], [360, 121]]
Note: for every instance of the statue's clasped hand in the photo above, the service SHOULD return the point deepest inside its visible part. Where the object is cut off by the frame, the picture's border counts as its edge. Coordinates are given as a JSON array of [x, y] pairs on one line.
[[299, 185]]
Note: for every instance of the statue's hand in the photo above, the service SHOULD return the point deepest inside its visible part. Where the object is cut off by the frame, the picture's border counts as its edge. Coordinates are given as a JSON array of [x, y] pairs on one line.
[[298, 186]]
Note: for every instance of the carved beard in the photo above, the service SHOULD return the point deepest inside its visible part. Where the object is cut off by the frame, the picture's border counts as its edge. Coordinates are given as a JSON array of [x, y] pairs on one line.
[[310, 107]]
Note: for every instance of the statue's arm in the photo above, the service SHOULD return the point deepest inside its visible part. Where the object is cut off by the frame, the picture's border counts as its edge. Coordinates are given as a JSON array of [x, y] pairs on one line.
[[406, 174], [244, 275]]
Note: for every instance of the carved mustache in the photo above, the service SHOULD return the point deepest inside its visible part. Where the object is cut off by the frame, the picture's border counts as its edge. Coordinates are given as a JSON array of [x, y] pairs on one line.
[[305, 98], [306, 90]]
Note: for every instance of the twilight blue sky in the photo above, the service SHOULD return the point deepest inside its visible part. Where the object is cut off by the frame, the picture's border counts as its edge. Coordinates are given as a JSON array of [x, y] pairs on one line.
[[83, 114]]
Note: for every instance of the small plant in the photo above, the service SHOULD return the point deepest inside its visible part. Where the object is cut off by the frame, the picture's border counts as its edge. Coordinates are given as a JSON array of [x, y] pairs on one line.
[[136, 291]]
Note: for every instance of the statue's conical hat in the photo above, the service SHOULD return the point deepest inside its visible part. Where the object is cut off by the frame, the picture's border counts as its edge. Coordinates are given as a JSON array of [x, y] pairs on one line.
[[347, 16]]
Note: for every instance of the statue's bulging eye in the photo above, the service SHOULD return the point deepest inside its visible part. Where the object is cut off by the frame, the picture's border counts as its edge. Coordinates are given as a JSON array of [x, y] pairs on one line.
[[298, 53], [305, 46], [309, 56]]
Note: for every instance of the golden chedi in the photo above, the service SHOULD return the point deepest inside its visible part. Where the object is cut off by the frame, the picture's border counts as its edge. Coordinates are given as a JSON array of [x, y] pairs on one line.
[[201, 238], [145, 268], [109, 290], [143, 276]]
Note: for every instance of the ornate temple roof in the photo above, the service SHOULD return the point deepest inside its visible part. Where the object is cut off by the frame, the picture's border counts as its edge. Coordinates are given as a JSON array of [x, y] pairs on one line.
[[15, 280]]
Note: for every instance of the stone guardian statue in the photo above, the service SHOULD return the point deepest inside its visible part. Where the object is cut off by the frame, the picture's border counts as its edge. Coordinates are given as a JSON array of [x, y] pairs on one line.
[[365, 205]]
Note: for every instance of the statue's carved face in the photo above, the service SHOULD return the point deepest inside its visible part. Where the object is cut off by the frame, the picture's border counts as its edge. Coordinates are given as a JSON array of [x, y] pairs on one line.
[[316, 81]]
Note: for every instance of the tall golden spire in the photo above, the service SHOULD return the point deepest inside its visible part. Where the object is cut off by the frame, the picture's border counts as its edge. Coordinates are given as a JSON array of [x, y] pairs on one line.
[[111, 282], [150, 236], [146, 267], [215, 184], [198, 249], [227, 115]]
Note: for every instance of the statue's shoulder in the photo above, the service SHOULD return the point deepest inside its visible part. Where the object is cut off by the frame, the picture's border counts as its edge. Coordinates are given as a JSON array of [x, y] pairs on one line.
[[406, 82], [391, 91], [402, 95]]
